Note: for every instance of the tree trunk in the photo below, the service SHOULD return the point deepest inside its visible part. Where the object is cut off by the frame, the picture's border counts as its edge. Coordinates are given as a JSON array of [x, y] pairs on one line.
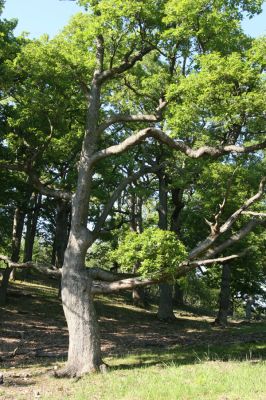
[[248, 309], [31, 226], [61, 236], [61, 232], [18, 223], [166, 309], [178, 299], [4, 286], [84, 353], [224, 298], [139, 294]]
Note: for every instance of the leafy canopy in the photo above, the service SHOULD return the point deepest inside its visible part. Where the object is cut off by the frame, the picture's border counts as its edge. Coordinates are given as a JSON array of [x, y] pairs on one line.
[[157, 252]]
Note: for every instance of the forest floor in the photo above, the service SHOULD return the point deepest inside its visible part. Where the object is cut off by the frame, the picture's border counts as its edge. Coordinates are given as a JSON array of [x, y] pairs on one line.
[[33, 342]]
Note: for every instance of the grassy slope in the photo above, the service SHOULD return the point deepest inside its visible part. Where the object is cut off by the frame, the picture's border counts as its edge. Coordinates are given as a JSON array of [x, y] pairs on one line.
[[214, 368]]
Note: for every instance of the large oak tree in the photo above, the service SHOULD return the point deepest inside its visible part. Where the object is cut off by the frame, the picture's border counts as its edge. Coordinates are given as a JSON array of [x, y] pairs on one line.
[[178, 72]]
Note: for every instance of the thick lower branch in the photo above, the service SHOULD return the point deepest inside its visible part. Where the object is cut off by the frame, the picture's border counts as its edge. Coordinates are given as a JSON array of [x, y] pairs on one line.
[[123, 284], [159, 135], [51, 270]]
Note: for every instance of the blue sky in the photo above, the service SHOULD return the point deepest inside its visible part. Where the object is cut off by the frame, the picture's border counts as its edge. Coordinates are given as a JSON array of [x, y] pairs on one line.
[[49, 16]]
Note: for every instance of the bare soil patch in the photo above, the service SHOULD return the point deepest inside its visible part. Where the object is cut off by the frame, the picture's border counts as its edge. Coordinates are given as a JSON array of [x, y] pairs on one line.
[[34, 333]]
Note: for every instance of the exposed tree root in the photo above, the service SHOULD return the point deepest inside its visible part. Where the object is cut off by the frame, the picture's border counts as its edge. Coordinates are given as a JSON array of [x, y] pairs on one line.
[[73, 372]]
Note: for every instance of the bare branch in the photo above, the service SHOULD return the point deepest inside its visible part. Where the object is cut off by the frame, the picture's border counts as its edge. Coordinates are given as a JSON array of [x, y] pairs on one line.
[[100, 274], [130, 283], [203, 246], [254, 213], [188, 266], [134, 118], [159, 135], [124, 284], [215, 227], [50, 270], [244, 231], [45, 190], [127, 118], [227, 225], [216, 260], [125, 66]]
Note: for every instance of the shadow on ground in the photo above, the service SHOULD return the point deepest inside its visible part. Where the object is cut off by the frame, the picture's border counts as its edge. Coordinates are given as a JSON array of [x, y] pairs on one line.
[[33, 332]]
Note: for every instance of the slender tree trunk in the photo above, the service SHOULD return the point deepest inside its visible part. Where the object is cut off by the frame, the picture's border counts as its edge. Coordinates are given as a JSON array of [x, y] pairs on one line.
[[31, 226], [61, 232], [178, 298], [165, 310], [139, 294], [61, 236], [178, 205], [18, 223], [248, 309], [224, 298]]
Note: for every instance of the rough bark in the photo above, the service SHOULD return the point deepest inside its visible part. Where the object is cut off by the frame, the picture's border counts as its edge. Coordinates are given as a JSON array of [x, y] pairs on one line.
[[224, 297], [84, 353]]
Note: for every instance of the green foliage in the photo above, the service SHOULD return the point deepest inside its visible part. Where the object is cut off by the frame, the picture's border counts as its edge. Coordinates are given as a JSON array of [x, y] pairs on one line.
[[99, 255], [221, 95], [156, 252]]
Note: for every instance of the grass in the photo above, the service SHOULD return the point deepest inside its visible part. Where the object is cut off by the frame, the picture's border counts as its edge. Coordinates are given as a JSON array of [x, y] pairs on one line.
[[208, 380], [216, 365]]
